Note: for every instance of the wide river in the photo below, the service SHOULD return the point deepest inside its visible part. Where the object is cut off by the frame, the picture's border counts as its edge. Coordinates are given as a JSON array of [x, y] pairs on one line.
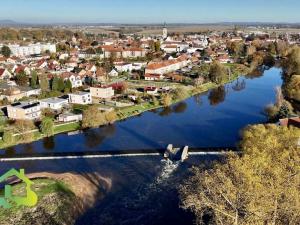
[[212, 119], [143, 190]]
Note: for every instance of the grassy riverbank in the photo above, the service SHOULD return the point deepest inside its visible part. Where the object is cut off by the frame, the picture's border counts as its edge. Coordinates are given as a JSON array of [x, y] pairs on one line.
[[122, 113]]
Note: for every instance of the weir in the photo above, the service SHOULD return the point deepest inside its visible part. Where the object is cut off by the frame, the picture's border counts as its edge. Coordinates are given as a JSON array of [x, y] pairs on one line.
[[112, 154]]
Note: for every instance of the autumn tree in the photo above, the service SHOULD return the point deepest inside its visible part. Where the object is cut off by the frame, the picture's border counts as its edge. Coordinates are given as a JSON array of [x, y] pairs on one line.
[[93, 117], [292, 87], [259, 187], [23, 128], [111, 117], [22, 79], [217, 72], [291, 65], [166, 100]]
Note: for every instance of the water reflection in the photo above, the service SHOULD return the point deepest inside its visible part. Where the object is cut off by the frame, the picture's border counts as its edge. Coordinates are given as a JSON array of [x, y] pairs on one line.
[[198, 99], [49, 143], [180, 107], [94, 137], [239, 85], [166, 111], [217, 96]]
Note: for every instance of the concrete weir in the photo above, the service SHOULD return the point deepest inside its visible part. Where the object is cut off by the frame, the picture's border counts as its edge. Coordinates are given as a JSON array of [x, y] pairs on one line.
[[175, 154]]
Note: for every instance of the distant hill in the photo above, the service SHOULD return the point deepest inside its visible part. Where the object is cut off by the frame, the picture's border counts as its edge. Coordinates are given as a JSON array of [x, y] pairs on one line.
[[4, 23]]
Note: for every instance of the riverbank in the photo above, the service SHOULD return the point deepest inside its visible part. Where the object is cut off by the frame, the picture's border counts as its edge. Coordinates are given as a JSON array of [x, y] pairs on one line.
[[124, 113]]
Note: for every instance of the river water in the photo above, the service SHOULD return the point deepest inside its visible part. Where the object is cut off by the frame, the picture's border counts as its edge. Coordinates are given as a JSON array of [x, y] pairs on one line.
[[144, 189], [212, 119]]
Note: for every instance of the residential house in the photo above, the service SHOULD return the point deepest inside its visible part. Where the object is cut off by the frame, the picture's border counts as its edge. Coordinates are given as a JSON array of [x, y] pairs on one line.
[[24, 111], [123, 67], [153, 77], [69, 117], [151, 90], [75, 79], [113, 73], [102, 92], [5, 74], [53, 103], [83, 98], [167, 66]]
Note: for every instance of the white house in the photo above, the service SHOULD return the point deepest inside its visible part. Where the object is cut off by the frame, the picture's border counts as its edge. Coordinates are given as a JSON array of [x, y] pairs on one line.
[[31, 49], [5, 74], [53, 103], [102, 92], [24, 111], [113, 73], [83, 98], [75, 79], [123, 67], [69, 117]]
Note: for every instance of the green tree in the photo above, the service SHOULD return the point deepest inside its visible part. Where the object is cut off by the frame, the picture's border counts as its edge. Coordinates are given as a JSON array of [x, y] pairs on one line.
[[44, 83], [47, 126], [54, 85], [259, 187], [5, 51], [60, 84], [217, 73], [8, 137], [68, 86], [22, 79], [34, 79], [157, 46]]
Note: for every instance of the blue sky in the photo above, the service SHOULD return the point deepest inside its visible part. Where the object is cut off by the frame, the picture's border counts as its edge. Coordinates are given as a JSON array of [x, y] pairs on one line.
[[150, 11]]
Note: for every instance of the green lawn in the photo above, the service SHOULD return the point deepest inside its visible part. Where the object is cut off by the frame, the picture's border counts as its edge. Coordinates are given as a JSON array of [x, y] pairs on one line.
[[67, 127]]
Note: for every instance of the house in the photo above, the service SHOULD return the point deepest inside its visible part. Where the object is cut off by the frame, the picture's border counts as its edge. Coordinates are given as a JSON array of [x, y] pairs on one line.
[[13, 93], [123, 67], [24, 111], [30, 199], [151, 90], [294, 121], [69, 117], [83, 98], [113, 73], [224, 59], [101, 75], [102, 92], [5, 74], [76, 79], [152, 77], [53, 103], [167, 66]]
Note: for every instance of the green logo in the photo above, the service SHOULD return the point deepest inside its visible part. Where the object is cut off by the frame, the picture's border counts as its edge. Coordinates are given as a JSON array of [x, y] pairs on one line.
[[29, 200]]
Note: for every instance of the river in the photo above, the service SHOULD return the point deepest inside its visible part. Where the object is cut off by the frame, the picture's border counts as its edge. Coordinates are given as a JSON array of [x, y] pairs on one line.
[[212, 119], [144, 189]]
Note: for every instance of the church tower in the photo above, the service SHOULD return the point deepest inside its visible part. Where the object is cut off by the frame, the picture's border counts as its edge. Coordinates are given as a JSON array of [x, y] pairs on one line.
[[165, 31]]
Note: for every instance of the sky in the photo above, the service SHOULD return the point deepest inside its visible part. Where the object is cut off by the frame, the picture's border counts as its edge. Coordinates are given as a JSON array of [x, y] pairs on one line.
[[150, 11]]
